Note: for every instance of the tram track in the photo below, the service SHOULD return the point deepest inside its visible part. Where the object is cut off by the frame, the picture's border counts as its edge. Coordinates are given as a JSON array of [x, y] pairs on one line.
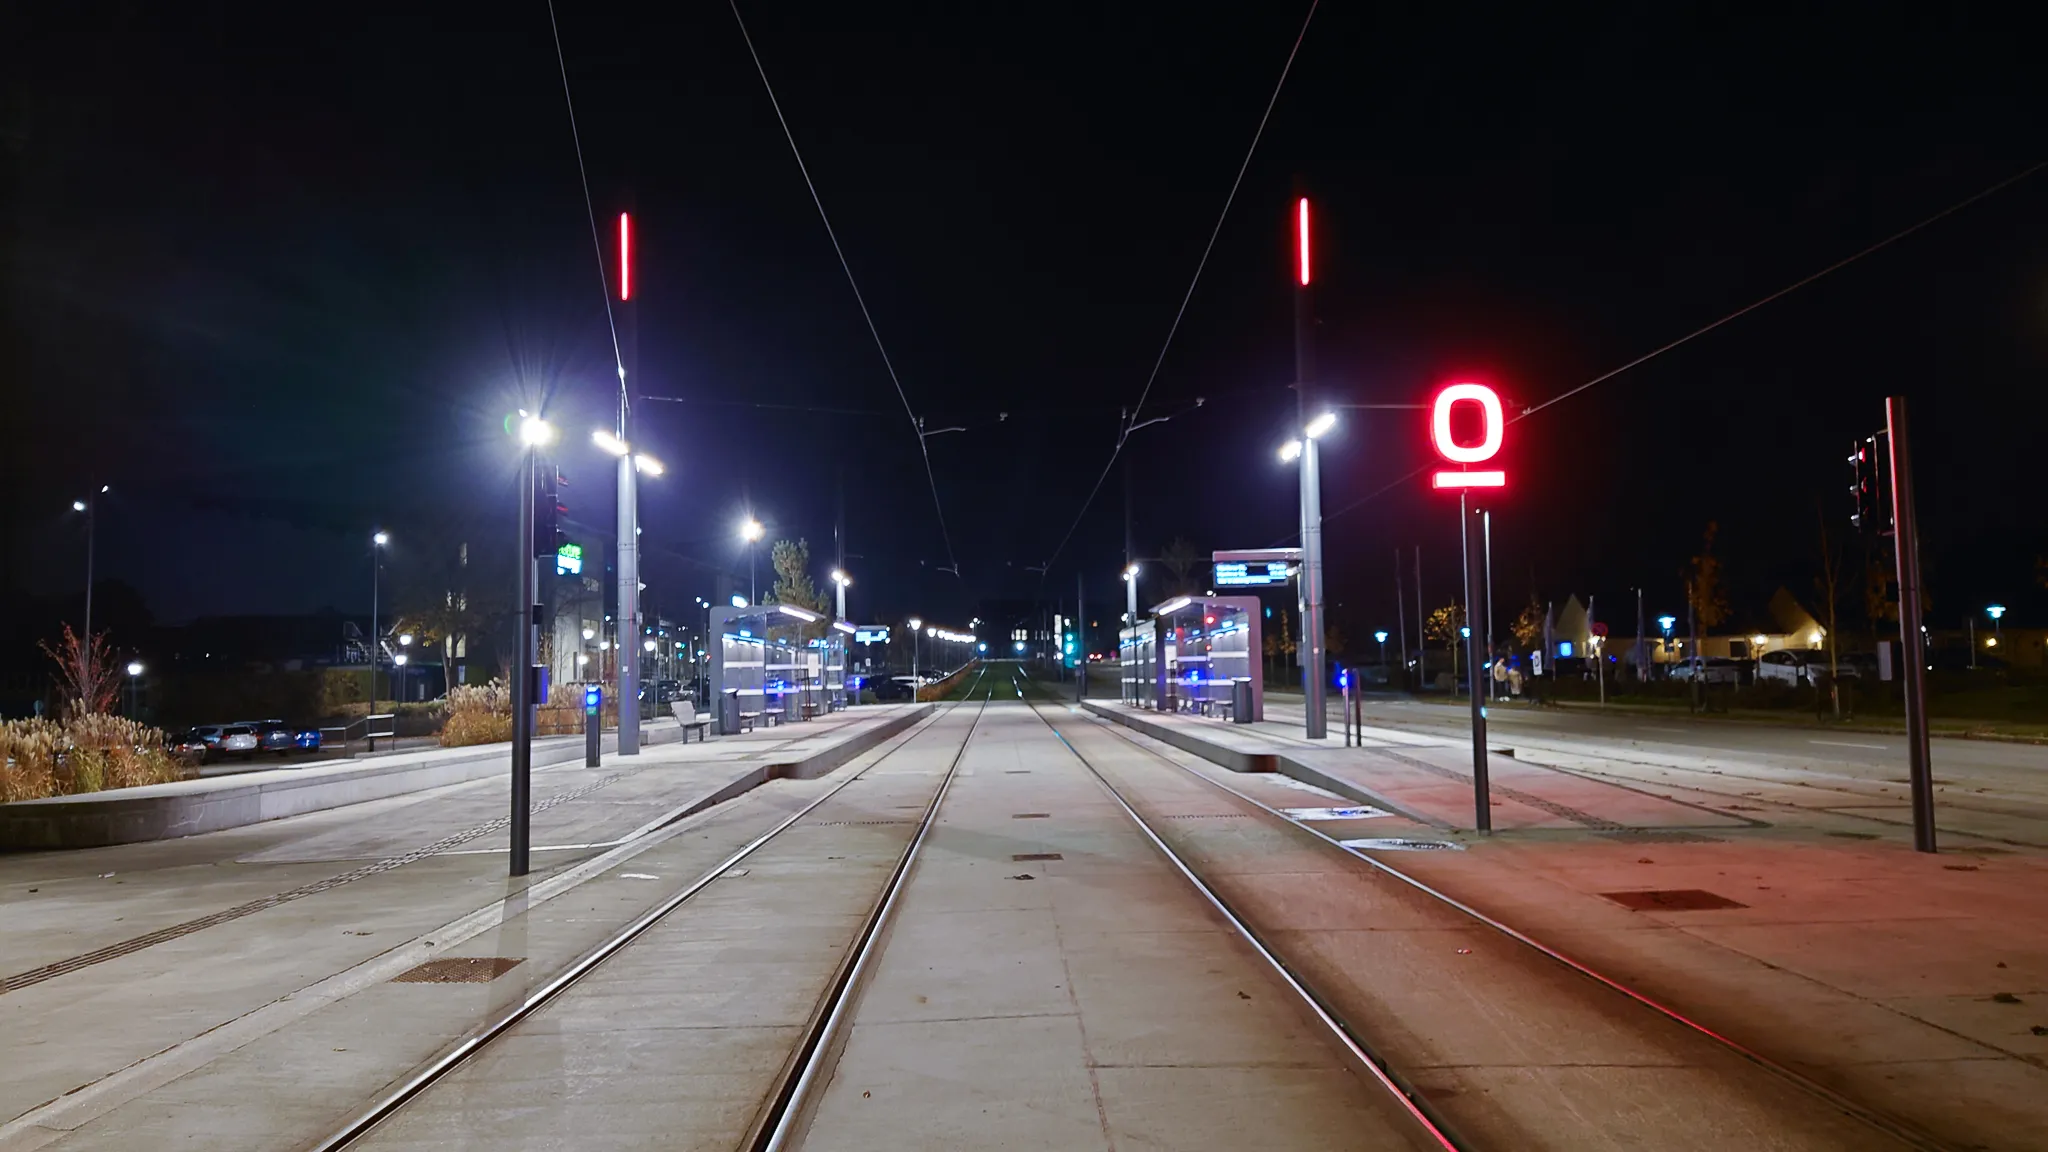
[[1441, 1113], [418, 1086]]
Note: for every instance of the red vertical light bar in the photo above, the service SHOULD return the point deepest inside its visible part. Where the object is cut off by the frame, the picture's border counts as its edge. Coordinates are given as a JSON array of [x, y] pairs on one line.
[[1301, 235], [625, 256]]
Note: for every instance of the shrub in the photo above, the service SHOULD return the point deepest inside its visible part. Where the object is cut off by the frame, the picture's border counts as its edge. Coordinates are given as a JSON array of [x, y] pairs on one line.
[[478, 714], [88, 753]]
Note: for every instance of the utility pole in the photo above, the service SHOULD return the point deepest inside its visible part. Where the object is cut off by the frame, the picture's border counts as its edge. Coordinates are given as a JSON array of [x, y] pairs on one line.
[[1912, 641], [627, 644], [1421, 625], [523, 702], [1481, 788], [1486, 525], [1080, 643], [1317, 726], [1400, 615]]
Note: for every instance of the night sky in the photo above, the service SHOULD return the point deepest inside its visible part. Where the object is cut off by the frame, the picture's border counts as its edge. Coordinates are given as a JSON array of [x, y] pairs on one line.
[[277, 280]]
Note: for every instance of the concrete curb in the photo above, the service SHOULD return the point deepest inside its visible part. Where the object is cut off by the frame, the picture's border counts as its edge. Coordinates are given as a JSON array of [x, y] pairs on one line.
[[1239, 760], [210, 804]]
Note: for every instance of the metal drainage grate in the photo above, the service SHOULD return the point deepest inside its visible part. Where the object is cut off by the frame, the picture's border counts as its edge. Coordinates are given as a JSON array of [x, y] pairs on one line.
[[1401, 844], [459, 970], [1672, 900], [1038, 856], [1032, 816], [1016, 771]]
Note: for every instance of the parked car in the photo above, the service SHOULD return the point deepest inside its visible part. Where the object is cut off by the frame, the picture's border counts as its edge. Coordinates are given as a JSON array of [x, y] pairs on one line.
[[282, 738], [188, 746], [236, 740], [1801, 666], [1709, 669]]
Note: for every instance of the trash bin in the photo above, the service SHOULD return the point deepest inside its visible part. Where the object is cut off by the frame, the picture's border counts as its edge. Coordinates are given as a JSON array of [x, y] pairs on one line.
[[729, 712], [1241, 699]]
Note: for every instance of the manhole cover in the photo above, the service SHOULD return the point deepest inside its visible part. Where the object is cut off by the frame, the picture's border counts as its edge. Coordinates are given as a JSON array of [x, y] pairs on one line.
[[1399, 844], [459, 970], [1032, 816], [1038, 856], [1356, 812], [1672, 900]]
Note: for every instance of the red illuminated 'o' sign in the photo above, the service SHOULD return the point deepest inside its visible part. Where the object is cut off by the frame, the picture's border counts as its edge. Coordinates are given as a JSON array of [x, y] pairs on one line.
[[1494, 425]]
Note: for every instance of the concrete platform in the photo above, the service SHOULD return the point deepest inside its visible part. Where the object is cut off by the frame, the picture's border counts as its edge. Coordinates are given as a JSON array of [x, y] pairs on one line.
[[1429, 779], [138, 969], [214, 803]]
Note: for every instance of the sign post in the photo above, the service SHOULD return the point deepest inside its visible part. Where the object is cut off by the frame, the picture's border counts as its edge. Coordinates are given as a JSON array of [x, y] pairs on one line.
[[1493, 428], [1912, 639], [593, 724]]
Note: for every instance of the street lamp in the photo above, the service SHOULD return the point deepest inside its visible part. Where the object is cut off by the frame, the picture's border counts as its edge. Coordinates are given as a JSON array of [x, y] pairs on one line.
[[89, 506], [915, 624], [1381, 636], [534, 434], [844, 582], [134, 671], [751, 531], [1997, 614], [378, 540], [1303, 450]]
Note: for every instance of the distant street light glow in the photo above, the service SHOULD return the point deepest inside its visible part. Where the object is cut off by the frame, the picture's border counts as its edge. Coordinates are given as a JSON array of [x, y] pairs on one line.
[[751, 530], [535, 432], [78, 505], [1320, 425], [739, 601], [381, 539], [134, 666], [648, 464], [1290, 451], [610, 443]]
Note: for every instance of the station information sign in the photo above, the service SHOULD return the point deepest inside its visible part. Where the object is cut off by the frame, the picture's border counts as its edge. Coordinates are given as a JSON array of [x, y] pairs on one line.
[[871, 636], [1252, 574]]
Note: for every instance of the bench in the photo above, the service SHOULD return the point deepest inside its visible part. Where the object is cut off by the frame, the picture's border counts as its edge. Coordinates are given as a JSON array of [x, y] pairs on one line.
[[685, 712]]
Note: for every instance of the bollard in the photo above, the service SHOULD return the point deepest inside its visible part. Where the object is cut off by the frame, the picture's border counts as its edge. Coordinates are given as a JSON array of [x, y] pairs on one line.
[[593, 724]]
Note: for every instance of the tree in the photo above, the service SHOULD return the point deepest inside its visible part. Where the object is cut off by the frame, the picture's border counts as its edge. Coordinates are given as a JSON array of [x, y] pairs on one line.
[[1709, 593], [87, 680], [792, 562], [1181, 560], [1445, 624], [1280, 640], [1528, 626]]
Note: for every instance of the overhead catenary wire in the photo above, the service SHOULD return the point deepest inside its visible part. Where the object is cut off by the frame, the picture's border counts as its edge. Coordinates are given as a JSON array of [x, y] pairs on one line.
[[589, 207], [1131, 419], [931, 478], [1696, 333]]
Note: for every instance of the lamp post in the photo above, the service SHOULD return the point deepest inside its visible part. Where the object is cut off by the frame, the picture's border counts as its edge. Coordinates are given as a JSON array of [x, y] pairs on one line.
[[631, 464], [843, 581], [404, 645], [91, 507], [1381, 636], [398, 670], [751, 531], [915, 624], [534, 434], [1997, 614], [134, 673], [378, 540], [1127, 653], [1304, 450]]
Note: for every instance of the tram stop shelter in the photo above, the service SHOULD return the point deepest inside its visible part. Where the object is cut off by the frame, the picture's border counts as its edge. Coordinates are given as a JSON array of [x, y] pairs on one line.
[[774, 664], [1193, 652]]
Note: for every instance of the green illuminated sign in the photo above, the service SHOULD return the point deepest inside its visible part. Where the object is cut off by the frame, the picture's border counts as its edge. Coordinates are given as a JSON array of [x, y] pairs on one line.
[[569, 560]]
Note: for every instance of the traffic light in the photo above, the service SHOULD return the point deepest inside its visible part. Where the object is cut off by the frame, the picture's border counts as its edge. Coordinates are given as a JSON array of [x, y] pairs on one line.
[[1070, 653], [547, 510], [1865, 493]]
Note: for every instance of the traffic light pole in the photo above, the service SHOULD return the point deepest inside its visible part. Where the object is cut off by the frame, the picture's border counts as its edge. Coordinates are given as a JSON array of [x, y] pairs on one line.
[[1080, 643], [628, 643], [1317, 726], [1482, 789], [522, 679], [1912, 641]]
